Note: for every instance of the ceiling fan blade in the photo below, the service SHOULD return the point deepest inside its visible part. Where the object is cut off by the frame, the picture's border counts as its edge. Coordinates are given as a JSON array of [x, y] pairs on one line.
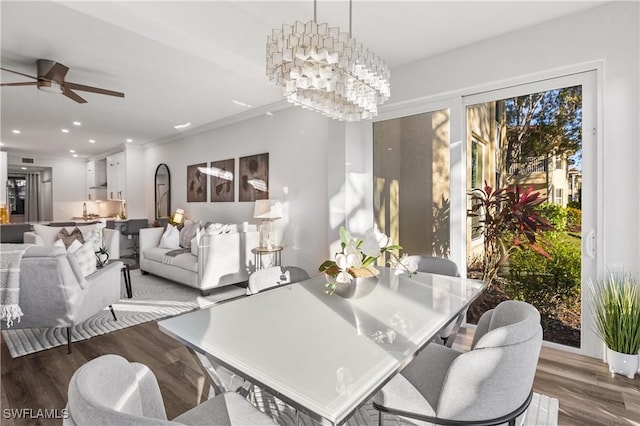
[[56, 72], [26, 83], [19, 73], [83, 88], [72, 95]]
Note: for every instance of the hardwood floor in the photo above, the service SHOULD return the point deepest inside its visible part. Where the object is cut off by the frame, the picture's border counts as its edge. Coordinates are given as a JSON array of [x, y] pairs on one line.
[[587, 393]]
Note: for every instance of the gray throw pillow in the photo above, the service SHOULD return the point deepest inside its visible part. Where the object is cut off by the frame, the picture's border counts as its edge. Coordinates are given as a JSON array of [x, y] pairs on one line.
[[187, 233], [68, 238]]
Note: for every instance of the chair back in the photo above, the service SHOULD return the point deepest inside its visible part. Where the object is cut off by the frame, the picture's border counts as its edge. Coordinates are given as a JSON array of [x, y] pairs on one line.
[[496, 376], [110, 390], [436, 265], [275, 276], [133, 226]]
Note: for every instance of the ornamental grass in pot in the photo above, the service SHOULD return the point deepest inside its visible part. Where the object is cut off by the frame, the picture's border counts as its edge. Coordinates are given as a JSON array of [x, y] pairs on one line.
[[616, 308]]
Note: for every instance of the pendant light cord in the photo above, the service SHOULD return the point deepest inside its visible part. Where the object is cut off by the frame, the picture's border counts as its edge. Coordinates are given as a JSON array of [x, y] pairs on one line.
[[315, 13]]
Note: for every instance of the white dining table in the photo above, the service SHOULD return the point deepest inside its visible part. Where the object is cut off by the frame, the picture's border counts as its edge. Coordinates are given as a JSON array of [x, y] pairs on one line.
[[322, 354]]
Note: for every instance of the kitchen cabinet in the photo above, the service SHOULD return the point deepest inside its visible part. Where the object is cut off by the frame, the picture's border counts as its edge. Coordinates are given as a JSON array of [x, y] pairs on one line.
[[116, 177], [96, 180]]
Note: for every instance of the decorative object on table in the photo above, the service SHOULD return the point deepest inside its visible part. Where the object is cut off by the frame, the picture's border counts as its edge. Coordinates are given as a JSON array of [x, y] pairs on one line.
[[615, 303], [162, 181], [102, 255], [325, 70], [254, 177], [196, 183], [267, 211], [355, 263], [177, 217], [222, 180]]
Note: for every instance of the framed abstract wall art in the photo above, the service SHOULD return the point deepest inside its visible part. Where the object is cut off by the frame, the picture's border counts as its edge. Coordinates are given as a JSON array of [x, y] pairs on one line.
[[196, 183], [254, 177], [222, 180]]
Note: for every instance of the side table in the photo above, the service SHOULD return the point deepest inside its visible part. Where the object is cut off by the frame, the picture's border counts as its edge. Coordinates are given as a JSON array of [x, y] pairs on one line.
[[275, 252], [126, 273]]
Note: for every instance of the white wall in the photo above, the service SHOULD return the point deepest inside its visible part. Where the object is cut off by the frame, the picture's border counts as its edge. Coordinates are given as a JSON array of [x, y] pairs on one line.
[[609, 33], [296, 141]]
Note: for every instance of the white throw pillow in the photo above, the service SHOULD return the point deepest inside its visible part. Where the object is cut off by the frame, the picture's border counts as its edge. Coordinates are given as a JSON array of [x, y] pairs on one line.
[[75, 245], [195, 241], [49, 234], [84, 259], [171, 238]]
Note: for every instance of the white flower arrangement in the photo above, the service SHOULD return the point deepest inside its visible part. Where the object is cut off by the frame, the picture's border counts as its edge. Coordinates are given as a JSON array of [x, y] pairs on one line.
[[358, 256]]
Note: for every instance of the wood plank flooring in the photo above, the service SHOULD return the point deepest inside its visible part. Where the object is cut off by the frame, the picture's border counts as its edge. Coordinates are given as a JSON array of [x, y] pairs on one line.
[[587, 393]]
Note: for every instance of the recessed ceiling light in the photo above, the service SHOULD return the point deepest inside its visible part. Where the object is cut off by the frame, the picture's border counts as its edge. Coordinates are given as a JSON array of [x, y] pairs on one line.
[[269, 113], [72, 151], [23, 168], [242, 104], [182, 126], [64, 130], [77, 123], [1, 143], [129, 140], [75, 155], [16, 131], [92, 141]]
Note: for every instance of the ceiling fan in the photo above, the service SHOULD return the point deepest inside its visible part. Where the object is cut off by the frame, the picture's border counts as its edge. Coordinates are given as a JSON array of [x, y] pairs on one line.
[[51, 79]]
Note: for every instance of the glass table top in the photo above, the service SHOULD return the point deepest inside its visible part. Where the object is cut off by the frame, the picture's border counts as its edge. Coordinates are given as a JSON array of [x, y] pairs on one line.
[[324, 354]]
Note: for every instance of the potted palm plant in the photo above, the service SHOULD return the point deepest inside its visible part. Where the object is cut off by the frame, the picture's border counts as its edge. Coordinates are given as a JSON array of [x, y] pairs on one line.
[[616, 308]]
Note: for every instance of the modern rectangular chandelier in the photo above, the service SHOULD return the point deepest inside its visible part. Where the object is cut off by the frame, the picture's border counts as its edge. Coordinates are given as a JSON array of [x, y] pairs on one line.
[[325, 70]]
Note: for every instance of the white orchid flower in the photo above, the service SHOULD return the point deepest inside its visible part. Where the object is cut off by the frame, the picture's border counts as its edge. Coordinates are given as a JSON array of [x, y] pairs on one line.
[[404, 264], [349, 258], [374, 242], [343, 277]]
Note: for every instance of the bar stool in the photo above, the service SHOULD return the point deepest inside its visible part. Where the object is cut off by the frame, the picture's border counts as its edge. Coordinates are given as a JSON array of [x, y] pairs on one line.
[[132, 227]]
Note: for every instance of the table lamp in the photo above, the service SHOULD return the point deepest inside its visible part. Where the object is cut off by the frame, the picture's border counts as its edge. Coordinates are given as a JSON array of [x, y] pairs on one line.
[[177, 217], [267, 211]]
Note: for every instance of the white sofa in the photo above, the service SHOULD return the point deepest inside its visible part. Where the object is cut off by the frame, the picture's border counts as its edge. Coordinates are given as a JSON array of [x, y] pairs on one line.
[[111, 238], [223, 259]]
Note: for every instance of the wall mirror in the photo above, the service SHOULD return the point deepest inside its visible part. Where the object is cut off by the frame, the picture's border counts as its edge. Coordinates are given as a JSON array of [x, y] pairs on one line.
[[163, 191]]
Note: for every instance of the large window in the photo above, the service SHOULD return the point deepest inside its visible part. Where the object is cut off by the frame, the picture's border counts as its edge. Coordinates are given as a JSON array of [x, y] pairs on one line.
[[411, 181], [477, 181]]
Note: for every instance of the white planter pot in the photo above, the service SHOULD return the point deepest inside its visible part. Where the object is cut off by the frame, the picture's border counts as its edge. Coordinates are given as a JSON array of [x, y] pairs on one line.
[[624, 364]]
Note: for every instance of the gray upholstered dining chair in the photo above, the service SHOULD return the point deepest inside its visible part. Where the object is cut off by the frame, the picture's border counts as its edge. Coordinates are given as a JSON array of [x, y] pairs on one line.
[[490, 384], [440, 266], [109, 390], [275, 276]]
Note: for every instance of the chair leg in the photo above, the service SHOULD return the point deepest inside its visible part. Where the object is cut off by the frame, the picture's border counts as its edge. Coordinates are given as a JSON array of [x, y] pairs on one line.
[[380, 420], [113, 313], [68, 340]]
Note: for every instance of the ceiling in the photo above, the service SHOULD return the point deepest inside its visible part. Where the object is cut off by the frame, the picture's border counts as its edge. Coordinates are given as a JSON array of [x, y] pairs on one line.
[[200, 62]]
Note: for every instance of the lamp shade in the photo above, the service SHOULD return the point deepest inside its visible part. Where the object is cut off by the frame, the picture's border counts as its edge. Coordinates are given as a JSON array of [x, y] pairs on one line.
[[267, 210], [178, 216]]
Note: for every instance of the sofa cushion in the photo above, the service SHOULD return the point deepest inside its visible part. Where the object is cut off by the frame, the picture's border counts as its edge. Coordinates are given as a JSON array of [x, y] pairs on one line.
[[171, 238], [75, 245], [49, 234], [185, 261]]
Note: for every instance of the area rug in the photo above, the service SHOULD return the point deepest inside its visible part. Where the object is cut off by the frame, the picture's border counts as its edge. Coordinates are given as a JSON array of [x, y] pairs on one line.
[[543, 411], [153, 298]]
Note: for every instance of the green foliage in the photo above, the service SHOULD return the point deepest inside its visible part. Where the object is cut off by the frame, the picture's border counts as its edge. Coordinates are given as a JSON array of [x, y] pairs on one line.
[[550, 284], [554, 213], [543, 124], [616, 306], [574, 205], [508, 221], [574, 219]]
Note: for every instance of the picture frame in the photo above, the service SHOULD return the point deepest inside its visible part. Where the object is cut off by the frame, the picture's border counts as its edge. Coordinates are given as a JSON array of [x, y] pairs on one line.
[[223, 180], [197, 183], [253, 171]]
